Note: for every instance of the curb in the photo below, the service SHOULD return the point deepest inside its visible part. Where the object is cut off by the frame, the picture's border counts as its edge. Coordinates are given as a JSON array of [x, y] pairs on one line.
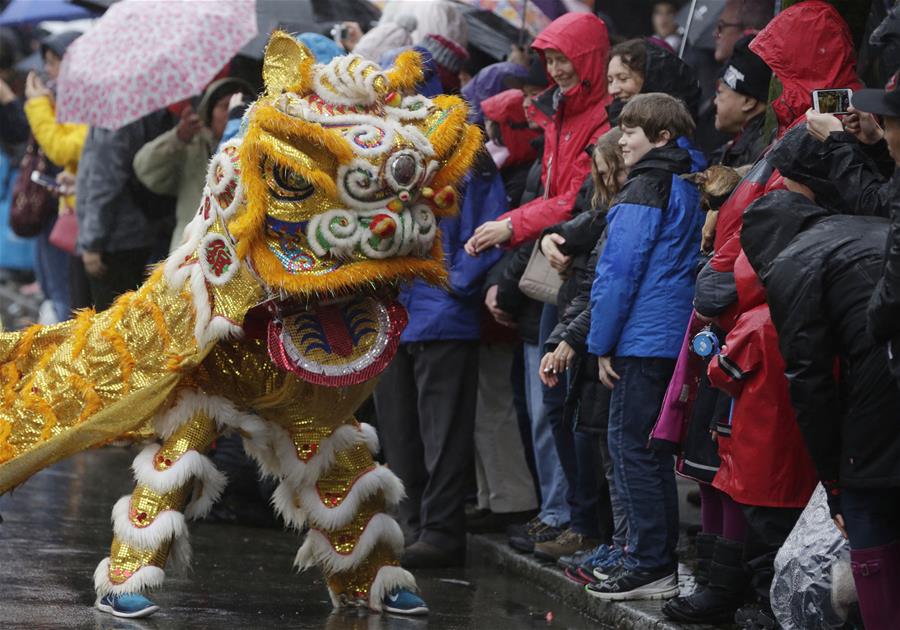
[[635, 615]]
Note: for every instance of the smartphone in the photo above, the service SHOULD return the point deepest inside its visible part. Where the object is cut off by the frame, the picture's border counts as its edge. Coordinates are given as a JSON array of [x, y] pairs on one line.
[[834, 101], [43, 180]]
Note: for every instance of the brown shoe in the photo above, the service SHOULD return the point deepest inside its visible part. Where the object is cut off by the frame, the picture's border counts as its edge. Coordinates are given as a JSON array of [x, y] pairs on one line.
[[565, 544], [421, 555]]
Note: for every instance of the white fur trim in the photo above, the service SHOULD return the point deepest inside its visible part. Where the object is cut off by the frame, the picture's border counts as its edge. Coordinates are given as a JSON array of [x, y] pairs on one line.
[[388, 580], [189, 466], [144, 579], [188, 403], [180, 555], [219, 329], [317, 550], [371, 437], [206, 493], [283, 502], [300, 474], [167, 525], [378, 479]]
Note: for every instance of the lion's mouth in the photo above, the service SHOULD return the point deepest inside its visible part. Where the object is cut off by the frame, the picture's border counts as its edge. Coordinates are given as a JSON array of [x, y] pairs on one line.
[[336, 342]]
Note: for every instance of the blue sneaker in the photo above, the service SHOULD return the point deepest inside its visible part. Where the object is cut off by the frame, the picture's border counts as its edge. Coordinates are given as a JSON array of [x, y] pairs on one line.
[[404, 602], [604, 567], [130, 605]]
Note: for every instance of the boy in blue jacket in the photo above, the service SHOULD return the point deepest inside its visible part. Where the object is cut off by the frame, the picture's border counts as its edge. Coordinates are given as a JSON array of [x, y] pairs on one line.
[[640, 305]]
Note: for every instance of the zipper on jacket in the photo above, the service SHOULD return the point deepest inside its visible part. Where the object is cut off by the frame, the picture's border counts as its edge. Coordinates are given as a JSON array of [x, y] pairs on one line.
[[560, 106], [549, 175]]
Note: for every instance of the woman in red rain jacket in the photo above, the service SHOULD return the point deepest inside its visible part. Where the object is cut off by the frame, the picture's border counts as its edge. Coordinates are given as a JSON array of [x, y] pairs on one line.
[[572, 112]]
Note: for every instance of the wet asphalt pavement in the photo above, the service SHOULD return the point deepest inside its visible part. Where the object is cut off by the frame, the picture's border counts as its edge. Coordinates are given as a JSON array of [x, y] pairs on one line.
[[56, 529]]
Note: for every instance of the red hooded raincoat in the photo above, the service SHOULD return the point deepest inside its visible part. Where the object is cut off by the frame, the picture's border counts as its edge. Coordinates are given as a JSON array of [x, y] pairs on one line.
[[578, 121]]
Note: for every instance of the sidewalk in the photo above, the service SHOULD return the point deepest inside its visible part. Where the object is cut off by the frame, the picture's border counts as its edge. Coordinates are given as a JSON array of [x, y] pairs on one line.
[[492, 550], [640, 615]]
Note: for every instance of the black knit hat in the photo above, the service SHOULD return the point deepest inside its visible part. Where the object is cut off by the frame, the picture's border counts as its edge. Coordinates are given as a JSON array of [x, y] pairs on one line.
[[746, 73]]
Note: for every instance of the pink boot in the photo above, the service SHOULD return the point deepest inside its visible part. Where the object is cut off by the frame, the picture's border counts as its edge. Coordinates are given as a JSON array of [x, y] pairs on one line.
[[876, 572]]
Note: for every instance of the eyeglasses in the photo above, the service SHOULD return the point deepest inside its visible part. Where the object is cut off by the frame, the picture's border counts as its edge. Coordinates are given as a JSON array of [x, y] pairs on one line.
[[721, 26]]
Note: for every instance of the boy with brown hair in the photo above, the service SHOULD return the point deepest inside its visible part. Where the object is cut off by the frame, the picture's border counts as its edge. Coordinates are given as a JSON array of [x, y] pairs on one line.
[[640, 306]]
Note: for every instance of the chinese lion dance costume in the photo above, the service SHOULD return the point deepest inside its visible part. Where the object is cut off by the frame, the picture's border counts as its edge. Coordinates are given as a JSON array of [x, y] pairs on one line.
[[272, 320]]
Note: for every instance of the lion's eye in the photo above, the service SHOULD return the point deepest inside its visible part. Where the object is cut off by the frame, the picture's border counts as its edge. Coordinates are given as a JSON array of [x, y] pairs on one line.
[[291, 181], [285, 184]]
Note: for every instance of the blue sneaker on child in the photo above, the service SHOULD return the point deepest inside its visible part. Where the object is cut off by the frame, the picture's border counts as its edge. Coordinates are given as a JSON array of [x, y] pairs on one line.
[[130, 605], [404, 602]]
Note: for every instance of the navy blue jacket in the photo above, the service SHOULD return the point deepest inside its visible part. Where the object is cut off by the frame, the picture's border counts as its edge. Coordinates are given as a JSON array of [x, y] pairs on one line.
[[455, 312], [642, 292]]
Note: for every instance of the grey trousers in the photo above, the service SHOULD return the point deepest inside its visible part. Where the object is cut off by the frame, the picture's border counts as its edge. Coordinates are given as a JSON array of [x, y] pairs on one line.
[[504, 482], [425, 402]]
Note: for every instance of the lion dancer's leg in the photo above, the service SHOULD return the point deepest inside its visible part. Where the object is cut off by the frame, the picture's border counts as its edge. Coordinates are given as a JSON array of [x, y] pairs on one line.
[[175, 481], [334, 485]]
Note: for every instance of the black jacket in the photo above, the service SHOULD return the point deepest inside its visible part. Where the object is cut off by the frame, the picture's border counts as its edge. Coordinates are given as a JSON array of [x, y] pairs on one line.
[[846, 176], [819, 271], [506, 273], [884, 307], [746, 148]]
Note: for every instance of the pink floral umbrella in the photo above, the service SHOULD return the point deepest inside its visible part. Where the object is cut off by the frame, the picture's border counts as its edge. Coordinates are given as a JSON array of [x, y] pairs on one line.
[[143, 55]]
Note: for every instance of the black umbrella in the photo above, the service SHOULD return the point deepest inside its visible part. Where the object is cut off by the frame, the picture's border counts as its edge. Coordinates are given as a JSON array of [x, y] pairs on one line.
[[488, 32], [702, 32]]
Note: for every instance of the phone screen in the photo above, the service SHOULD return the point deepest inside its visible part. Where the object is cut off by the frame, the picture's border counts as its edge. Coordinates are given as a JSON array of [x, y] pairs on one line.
[[832, 101]]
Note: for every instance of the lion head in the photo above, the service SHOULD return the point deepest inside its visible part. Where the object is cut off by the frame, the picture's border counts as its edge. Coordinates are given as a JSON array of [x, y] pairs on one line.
[[331, 197]]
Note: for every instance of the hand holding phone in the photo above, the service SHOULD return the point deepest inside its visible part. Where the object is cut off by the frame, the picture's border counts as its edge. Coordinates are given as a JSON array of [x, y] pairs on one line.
[[832, 101], [43, 180]]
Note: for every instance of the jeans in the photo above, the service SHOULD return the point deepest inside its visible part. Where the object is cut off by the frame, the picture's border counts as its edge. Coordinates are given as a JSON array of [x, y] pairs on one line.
[[872, 516], [554, 509], [619, 516], [644, 479], [52, 271], [584, 500]]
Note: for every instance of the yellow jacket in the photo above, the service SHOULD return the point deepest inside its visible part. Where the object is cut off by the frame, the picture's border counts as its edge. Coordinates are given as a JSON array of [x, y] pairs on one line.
[[60, 142]]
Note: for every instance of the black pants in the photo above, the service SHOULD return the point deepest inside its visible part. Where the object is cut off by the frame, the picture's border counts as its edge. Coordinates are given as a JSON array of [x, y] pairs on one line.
[[767, 529], [125, 271], [426, 415]]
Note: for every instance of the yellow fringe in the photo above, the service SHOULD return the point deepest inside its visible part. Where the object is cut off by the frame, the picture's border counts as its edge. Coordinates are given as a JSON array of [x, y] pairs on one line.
[[10, 373], [174, 362], [6, 449], [26, 342], [115, 338], [35, 402], [459, 163], [92, 401], [159, 320], [47, 355], [407, 71], [126, 359], [83, 322], [452, 113]]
